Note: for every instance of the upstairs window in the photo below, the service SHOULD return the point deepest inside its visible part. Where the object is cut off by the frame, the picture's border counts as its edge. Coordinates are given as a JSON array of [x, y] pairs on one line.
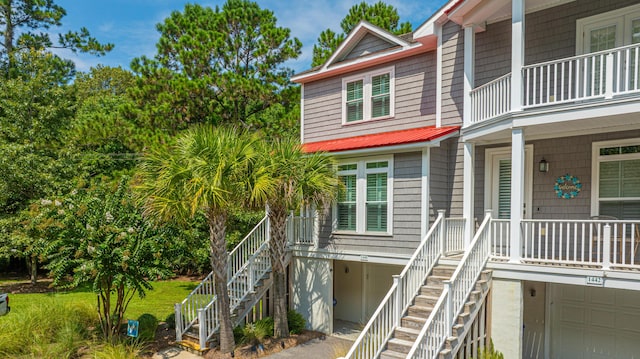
[[617, 164], [368, 96]]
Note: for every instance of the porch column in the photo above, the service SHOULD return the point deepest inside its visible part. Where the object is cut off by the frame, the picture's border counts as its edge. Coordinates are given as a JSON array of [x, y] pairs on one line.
[[469, 65], [517, 192], [468, 191], [517, 52]]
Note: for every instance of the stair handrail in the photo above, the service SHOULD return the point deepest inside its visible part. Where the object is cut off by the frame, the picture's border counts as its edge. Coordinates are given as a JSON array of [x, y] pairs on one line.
[[203, 295], [387, 316], [456, 290]]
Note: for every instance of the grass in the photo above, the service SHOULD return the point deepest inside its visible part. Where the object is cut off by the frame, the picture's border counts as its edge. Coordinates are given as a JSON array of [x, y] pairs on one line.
[[64, 324], [158, 302]]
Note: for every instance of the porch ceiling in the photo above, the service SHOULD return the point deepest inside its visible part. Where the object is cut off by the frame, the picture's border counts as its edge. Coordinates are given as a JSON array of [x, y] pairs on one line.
[[480, 12], [554, 124]]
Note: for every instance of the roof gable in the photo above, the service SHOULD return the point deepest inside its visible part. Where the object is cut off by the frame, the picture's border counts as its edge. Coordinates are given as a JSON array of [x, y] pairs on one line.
[[363, 40]]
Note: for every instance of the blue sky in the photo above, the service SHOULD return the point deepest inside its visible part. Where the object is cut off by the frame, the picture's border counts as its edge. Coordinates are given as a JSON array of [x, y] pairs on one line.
[[130, 24]]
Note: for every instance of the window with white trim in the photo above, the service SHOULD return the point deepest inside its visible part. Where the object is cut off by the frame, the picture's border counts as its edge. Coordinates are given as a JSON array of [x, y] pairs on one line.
[[364, 204], [617, 185], [368, 96]]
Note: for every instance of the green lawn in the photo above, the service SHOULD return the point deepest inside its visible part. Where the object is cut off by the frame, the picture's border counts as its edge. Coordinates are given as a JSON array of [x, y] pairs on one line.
[[158, 301]]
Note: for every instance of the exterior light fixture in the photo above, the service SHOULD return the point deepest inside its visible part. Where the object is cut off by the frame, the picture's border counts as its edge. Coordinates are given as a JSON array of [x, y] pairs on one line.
[[544, 165]]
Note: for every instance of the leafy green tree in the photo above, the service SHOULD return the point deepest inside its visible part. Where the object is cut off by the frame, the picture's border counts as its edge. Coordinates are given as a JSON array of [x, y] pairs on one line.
[[207, 171], [295, 180], [215, 66], [379, 14], [98, 237], [25, 25]]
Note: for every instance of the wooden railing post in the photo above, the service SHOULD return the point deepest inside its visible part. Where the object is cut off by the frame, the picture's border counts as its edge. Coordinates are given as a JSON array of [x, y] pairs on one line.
[[178, 310], [442, 232], [398, 304], [202, 328], [606, 247], [608, 87], [449, 307]]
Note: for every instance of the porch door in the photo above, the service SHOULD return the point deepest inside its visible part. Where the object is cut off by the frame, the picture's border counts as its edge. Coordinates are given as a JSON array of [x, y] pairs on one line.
[[312, 292], [498, 182]]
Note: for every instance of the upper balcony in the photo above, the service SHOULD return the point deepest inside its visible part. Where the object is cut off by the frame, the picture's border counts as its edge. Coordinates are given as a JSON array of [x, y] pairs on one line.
[[574, 81]]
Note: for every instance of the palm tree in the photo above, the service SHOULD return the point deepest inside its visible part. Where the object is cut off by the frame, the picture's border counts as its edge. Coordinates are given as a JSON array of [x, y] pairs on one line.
[[206, 171], [295, 180]]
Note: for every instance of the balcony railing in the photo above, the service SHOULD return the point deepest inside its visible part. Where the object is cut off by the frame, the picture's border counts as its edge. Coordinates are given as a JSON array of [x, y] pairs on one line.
[[598, 75], [585, 243]]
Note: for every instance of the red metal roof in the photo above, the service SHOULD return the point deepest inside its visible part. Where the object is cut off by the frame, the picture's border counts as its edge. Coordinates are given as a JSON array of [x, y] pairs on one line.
[[401, 137]]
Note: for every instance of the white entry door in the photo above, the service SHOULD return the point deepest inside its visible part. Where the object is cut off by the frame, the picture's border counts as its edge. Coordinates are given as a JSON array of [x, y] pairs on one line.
[[498, 182], [594, 323]]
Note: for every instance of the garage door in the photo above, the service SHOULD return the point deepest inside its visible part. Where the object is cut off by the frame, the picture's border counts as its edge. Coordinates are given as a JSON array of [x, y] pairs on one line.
[[588, 322]]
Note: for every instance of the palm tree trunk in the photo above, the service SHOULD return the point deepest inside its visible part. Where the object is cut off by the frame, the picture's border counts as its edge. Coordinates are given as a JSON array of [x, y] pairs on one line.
[[278, 252], [218, 249]]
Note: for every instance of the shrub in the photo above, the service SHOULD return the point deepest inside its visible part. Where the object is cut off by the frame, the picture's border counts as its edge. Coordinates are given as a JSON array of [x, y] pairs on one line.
[[120, 350], [47, 329], [490, 353], [171, 321], [255, 333], [296, 322], [148, 327]]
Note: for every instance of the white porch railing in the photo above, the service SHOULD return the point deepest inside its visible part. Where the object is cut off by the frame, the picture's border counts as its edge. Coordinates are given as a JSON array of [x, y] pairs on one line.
[[438, 327], [601, 243], [491, 99], [500, 238], [387, 317], [596, 75], [301, 230], [454, 229]]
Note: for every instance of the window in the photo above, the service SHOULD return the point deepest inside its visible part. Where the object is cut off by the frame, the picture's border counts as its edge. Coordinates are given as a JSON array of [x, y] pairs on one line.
[[617, 170], [368, 96], [363, 204]]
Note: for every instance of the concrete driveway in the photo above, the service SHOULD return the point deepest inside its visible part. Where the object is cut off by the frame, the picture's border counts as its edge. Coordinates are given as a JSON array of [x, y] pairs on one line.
[[320, 348]]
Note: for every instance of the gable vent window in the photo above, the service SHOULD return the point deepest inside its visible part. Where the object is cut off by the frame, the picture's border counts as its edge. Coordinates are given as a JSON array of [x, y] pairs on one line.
[[368, 96]]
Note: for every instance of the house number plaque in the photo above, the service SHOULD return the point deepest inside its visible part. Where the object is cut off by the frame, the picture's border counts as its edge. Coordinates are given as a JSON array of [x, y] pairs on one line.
[[567, 186]]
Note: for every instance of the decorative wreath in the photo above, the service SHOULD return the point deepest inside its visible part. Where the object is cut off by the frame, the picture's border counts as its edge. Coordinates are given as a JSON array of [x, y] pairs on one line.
[[567, 186]]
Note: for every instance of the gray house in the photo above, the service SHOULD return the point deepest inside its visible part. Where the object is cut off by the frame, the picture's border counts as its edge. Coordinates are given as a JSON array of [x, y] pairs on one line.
[[519, 120]]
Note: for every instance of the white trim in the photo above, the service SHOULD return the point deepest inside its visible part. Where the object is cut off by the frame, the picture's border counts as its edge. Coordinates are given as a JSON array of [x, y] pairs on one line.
[[620, 17], [301, 113], [439, 77], [490, 154], [517, 52], [357, 34], [424, 198], [367, 95], [469, 66], [595, 168], [468, 190], [361, 187]]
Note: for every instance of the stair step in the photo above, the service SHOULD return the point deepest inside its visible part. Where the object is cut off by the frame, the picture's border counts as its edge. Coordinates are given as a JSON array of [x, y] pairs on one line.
[[390, 354], [409, 334], [426, 300], [436, 280], [412, 322], [450, 342], [420, 311], [443, 271], [399, 345], [432, 290]]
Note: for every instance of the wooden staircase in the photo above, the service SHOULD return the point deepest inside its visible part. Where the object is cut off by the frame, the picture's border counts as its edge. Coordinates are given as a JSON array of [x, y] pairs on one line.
[[190, 338], [404, 336]]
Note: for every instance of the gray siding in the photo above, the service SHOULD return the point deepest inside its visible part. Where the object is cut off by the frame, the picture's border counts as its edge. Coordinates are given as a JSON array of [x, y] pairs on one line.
[[549, 34], [446, 170], [570, 155], [407, 182], [415, 80], [452, 73], [369, 44]]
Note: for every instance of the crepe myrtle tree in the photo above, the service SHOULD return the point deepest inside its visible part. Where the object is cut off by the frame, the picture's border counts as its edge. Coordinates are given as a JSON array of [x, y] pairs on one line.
[[98, 237]]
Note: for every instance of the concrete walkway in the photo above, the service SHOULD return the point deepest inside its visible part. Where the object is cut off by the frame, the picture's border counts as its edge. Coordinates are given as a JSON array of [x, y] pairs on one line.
[[320, 348], [175, 353]]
